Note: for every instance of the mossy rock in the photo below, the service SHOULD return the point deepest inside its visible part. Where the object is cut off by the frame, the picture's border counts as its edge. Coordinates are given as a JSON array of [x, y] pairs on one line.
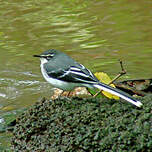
[[84, 125]]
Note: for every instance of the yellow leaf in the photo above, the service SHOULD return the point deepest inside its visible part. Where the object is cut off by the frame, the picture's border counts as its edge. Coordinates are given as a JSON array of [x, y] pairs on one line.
[[103, 77]]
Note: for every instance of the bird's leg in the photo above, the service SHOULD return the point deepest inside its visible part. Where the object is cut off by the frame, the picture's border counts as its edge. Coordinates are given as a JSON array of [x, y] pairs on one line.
[[69, 93], [61, 93], [123, 71]]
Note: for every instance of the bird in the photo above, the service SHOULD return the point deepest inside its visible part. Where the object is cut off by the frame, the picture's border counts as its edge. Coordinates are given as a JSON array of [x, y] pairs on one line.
[[63, 72]]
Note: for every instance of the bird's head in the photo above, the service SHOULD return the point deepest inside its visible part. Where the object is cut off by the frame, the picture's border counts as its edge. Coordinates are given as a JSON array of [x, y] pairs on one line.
[[47, 55]]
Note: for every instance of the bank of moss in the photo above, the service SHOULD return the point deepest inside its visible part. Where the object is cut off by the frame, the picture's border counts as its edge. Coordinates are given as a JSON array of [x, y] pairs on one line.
[[84, 125]]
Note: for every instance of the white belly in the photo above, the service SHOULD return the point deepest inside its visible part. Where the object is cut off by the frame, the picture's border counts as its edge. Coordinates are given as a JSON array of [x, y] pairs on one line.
[[58, 83]]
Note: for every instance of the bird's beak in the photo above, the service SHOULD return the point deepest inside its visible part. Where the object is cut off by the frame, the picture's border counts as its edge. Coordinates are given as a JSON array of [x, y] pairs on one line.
[[37, 56]]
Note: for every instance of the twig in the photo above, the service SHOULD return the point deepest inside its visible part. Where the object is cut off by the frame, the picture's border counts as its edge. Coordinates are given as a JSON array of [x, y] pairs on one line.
[[123, 71]]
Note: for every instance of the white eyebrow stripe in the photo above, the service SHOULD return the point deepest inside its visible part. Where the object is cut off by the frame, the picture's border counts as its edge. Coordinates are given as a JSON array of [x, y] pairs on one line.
[[47, 55]]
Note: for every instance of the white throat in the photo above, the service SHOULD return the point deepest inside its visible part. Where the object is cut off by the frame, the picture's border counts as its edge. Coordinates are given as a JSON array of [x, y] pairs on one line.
[[43, 61]]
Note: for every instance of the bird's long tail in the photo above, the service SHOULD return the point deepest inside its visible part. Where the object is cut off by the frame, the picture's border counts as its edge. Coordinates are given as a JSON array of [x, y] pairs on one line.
[[119, 93]]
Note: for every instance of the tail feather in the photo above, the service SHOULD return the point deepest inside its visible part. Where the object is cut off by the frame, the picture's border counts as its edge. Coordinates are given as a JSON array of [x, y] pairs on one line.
[[119, 93]]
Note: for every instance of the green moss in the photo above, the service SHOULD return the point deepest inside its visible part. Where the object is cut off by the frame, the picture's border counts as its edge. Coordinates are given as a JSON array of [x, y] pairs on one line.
[[84, 125]]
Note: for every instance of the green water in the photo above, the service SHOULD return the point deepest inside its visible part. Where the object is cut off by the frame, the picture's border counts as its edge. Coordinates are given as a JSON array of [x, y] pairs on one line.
[[96, 33]]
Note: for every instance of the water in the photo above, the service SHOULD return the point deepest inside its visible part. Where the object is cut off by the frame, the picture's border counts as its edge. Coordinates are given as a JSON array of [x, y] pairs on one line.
[[96, 33]]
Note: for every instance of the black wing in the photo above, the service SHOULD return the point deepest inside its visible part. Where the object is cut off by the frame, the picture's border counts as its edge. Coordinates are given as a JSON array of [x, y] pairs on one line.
[[75, 74]]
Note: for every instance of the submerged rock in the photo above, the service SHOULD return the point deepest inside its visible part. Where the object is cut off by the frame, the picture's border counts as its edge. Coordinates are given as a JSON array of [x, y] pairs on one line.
[[82, 125]]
